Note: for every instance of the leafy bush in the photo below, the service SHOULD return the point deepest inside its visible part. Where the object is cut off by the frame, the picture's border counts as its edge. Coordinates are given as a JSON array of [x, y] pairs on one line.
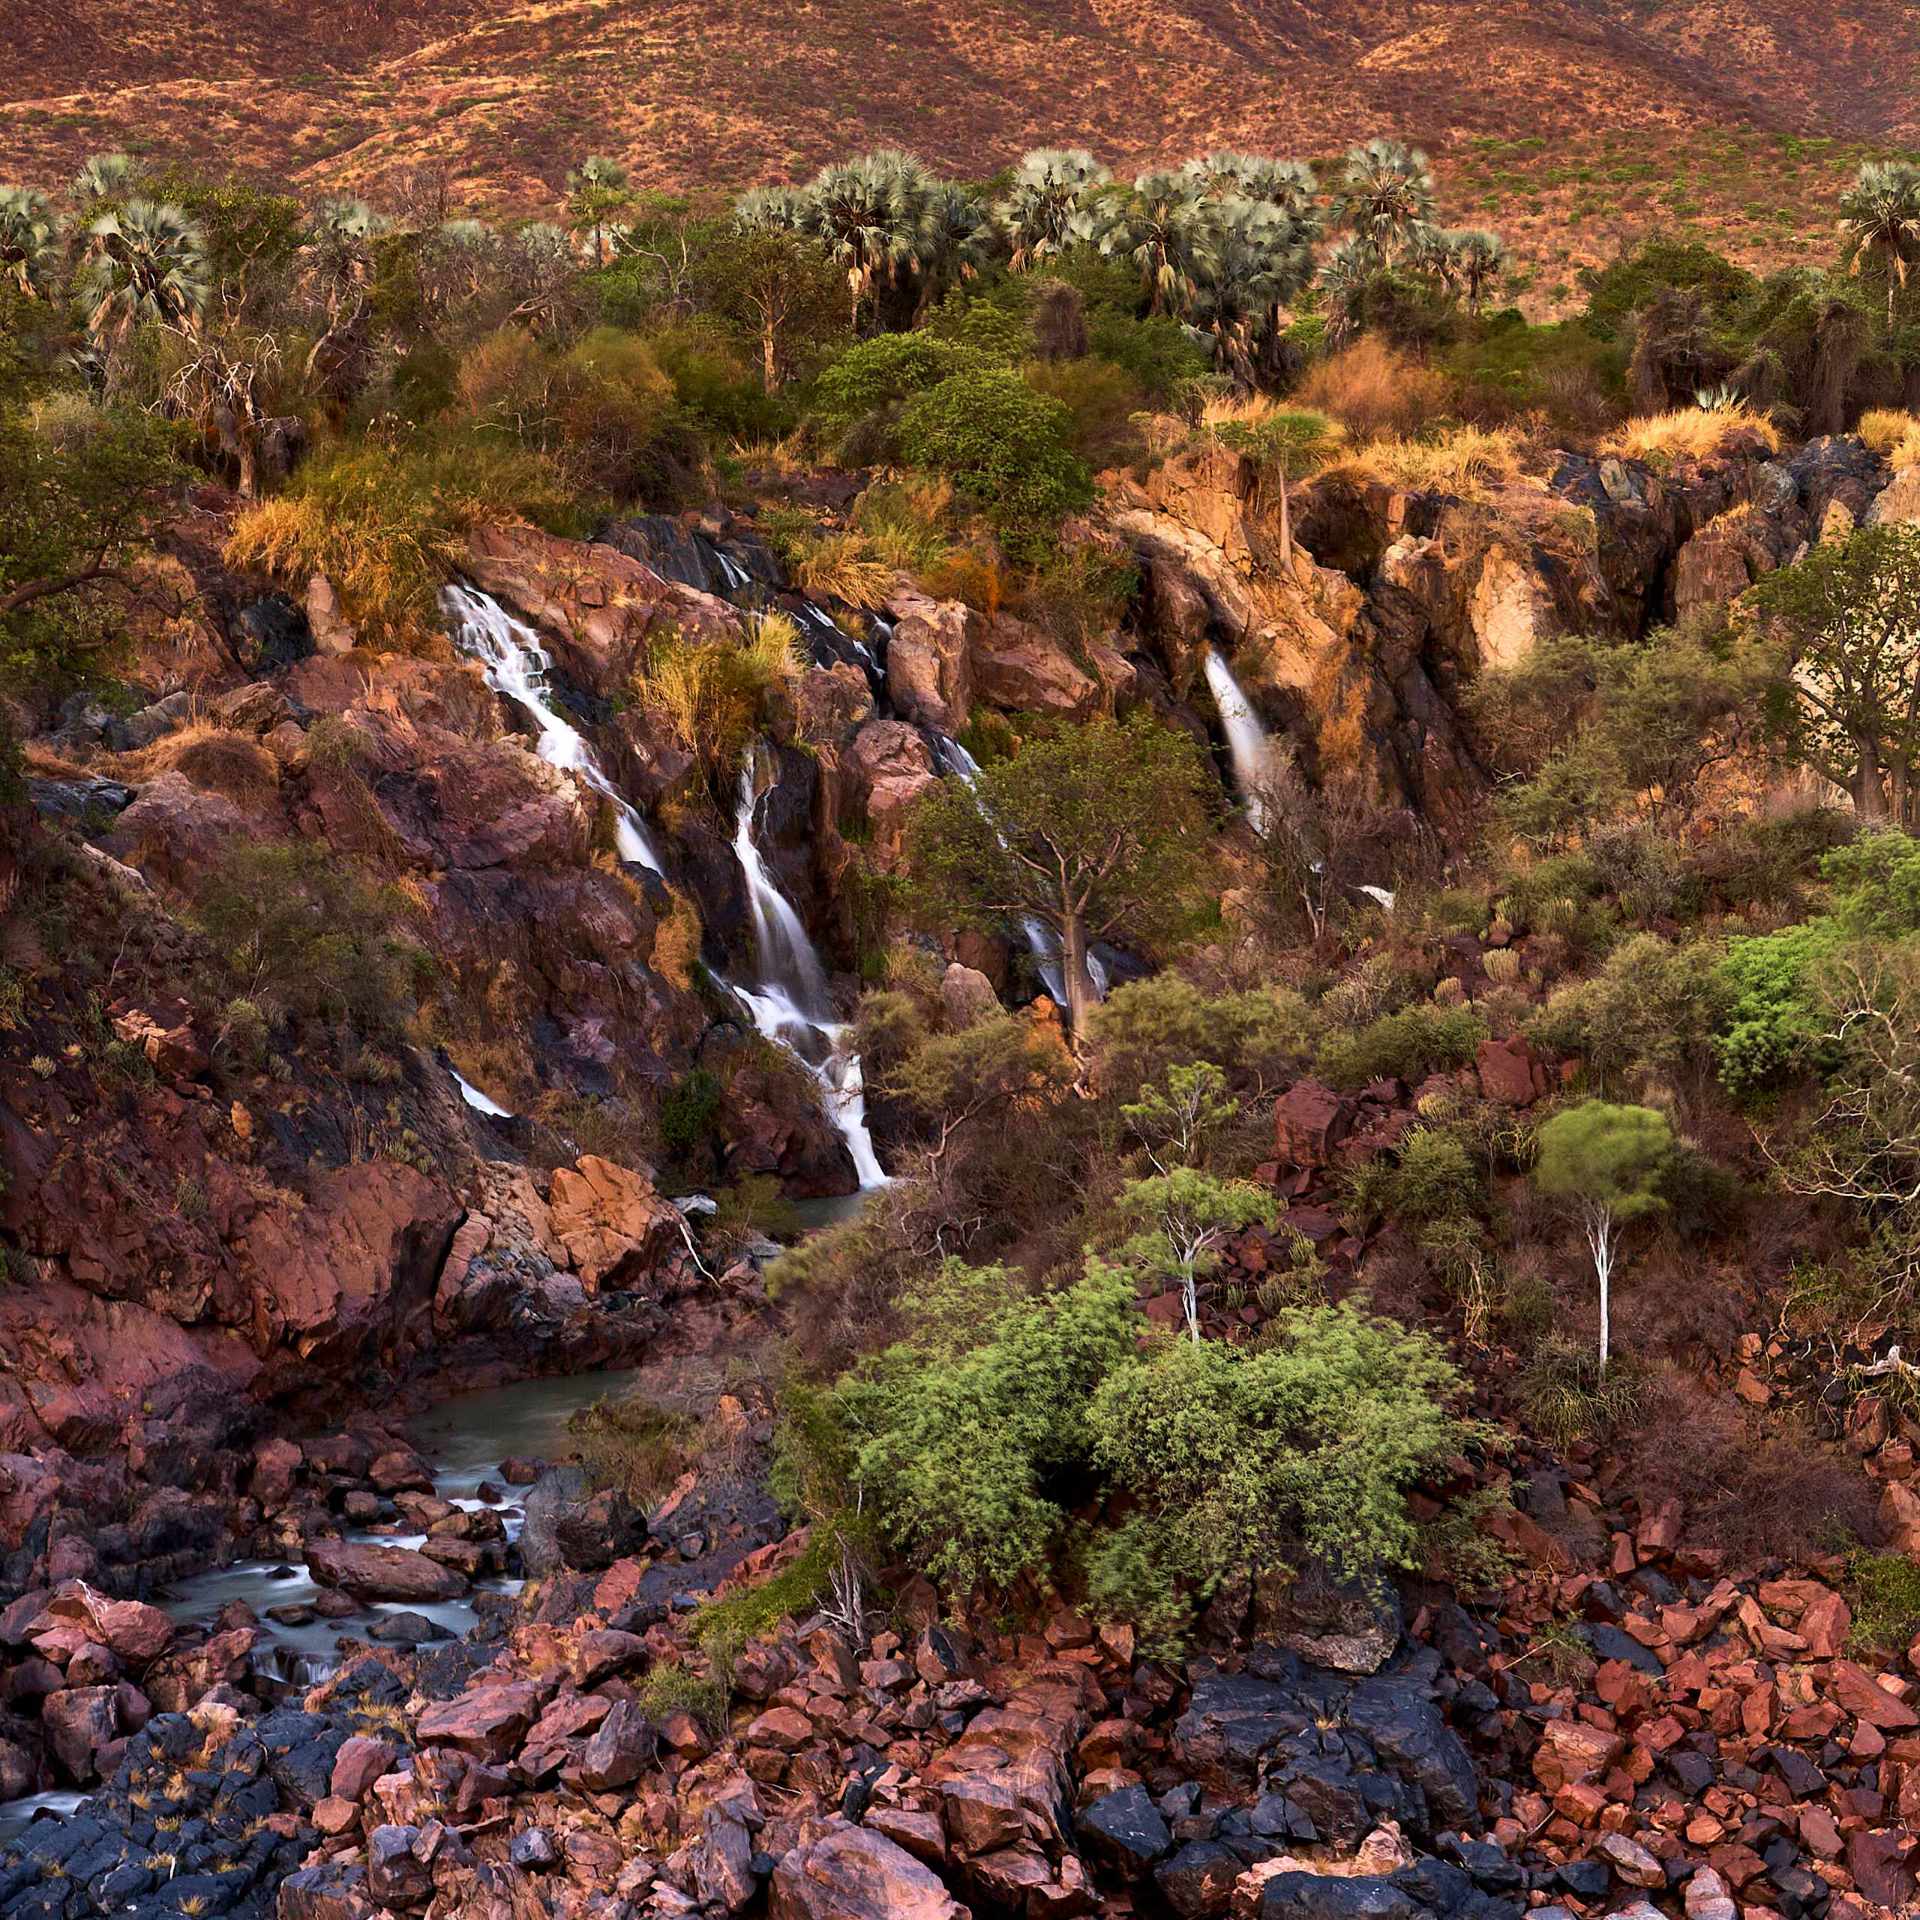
[[1101, 400], [1406, 1046], [714, 695], [882, 374], [1884, 1590], [602, 410], [688, 1110], [968, 1426], [1650, 1009], [1772, 1027], [1005, 446], [1251, 1462], [1146, 1026], [634, 1445]]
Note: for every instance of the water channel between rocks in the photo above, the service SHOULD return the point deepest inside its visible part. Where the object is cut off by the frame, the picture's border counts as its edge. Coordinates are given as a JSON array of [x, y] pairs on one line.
[[463, 1440]]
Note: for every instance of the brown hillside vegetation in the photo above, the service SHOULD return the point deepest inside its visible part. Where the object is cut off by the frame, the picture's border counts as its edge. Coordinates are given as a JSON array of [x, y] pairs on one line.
[[722, 92]]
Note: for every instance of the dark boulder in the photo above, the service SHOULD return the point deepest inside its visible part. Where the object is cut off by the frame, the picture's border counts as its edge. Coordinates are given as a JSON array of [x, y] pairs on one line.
[[569, 1524], [1124, 1831]]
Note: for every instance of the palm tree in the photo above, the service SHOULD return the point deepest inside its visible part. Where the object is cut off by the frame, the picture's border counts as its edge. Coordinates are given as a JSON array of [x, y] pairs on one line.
[[1385, 195], [104, 176], [1048, 188], [1286, 443], [339, 257], [958, 240], [1286, 184], [1345, 275], [775, 209], [597, 190], [1880, 220], [1258, 262], [145, 263], [29, 239], [1165, 230], [1479, 259], [873, 216]]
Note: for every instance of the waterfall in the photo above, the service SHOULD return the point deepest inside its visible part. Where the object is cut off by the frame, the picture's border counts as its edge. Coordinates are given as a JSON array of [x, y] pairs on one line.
[[790, 1004], [734, 577], [474, 1098], [1247, 743], [517, 665], [1038, 935]]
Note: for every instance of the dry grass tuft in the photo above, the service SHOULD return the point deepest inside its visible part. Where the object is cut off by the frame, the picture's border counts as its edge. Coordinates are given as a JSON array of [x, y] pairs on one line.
[[1465, 461], [844, 566], [1375, 390], [1894, 432], [1688, 433]]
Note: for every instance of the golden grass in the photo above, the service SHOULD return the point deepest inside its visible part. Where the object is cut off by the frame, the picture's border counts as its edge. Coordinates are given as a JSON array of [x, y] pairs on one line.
[[1894, 432], [1464, 461], [844, 566], [1688, 433], [713, 694], [1375, 390]]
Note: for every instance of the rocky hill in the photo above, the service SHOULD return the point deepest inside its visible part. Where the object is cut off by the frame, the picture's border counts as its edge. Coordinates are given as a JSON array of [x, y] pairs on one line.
[[724, 95]]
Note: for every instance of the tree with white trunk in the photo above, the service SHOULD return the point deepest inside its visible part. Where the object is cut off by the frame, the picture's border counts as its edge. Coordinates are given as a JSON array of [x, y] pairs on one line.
[[1607, 1162]]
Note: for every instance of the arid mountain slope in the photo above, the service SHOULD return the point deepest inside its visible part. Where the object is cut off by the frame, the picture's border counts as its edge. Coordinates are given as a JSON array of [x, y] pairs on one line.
[[722, 92]]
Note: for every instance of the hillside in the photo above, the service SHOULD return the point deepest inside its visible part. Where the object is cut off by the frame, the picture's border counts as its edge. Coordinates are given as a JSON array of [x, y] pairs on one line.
[[724, 94]]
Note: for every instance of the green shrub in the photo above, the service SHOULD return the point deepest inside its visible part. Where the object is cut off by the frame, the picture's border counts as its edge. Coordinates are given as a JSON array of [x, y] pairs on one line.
[[1650, 1009], [688, 1110], [1004, 446], [1406, 1046], [1773, 1025], [1249, 1462], [966, 1428], [1147, 1026], [673, 1688], [1883, 1590], [1567, 1393], [882, 374], [635, 1446], [388, 527]]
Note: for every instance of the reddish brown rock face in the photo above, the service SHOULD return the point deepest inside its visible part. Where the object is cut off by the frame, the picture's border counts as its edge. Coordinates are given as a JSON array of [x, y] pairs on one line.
[[595, 604], [371, 1572], [851, 1873]]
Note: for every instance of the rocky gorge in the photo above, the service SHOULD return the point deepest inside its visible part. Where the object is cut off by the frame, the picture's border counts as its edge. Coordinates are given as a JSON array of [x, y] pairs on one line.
[[232, 1271]]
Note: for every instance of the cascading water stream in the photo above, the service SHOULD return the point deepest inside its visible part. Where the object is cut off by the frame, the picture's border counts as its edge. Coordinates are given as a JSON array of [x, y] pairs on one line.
[[790, 1004], [1039, 936], [517, 665], [1248, 745]]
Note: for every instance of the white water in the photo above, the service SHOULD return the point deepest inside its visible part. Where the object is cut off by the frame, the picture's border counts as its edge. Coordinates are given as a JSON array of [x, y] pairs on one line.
[[1247, 743], [517, 665], [477, 1100], [732, 573], [1039, 936], [1380, 895], [790, 1004]]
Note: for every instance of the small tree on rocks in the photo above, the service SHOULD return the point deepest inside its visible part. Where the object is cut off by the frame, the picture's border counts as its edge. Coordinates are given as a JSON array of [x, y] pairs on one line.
[[1607, 1161]]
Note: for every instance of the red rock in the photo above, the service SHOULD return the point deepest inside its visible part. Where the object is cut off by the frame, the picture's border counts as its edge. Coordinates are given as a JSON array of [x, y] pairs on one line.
[[1572, 1751], [1862, 1696], [1310, 1120], [610, 1220], [619, 1751], [370, 1572], [1825, 1624], [79, 1724], [135, 1631], [361, 1760], [1510, 1073], [487, 1722], [853, 1873], [781, 1727], [909, 1827]]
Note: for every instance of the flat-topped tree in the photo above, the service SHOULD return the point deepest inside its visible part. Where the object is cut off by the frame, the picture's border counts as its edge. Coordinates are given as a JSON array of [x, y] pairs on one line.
[[1096, 831]]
